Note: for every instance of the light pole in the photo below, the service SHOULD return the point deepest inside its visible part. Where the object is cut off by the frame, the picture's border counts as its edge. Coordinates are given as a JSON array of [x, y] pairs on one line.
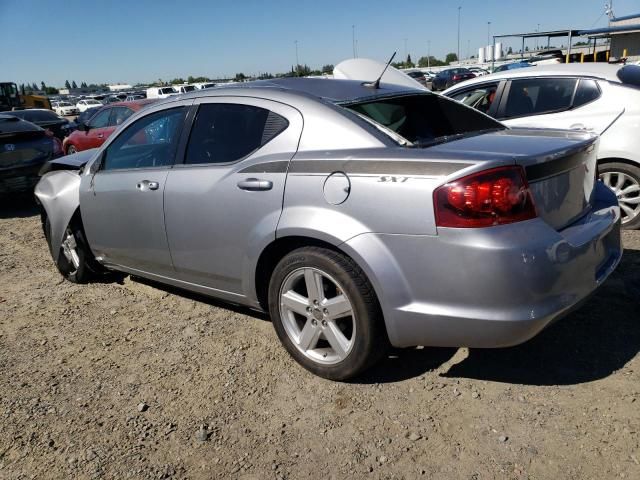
[[405, 49], [353, 39], [488, 33], [297, 62], [459, 8], [429, 54]]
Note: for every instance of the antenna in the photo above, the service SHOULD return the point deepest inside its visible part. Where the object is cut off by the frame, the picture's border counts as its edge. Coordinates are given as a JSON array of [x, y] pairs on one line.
[[376, 84]]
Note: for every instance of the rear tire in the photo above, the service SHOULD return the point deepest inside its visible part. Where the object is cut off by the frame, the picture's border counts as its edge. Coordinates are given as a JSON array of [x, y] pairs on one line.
[[326, 313], [624, 180]]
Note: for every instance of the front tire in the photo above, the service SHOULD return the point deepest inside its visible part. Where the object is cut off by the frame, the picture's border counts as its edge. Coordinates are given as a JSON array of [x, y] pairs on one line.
[[75, 260], [624, 180], [326, 313]]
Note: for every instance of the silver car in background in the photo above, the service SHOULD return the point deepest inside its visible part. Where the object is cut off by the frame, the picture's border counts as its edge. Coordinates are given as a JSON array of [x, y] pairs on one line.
[[358, 215], [599, 98]]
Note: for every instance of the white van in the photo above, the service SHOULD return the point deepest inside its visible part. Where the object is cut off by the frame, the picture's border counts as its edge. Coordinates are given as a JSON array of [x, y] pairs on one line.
[[184, 88], [160, 92], [201, 86]]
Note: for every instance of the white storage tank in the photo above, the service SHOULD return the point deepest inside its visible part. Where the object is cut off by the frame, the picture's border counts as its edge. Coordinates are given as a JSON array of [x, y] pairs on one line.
[[481, 58], [498, 51], [489, 53]]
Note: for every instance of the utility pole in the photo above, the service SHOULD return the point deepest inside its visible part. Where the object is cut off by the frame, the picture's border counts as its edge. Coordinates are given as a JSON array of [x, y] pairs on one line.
[[459, 8], [405, 49], [353, 39], [297, 62], [429, 54]]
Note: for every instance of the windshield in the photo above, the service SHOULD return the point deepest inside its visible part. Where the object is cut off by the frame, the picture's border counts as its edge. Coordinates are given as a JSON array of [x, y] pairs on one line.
[[425, 119], [93, 102], [189, 88]]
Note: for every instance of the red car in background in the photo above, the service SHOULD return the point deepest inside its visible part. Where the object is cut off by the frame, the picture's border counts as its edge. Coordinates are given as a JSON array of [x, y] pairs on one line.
[[103, 123]]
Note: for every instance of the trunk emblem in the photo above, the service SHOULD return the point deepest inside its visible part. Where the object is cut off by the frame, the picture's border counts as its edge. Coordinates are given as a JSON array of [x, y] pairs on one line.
[[9, 147]]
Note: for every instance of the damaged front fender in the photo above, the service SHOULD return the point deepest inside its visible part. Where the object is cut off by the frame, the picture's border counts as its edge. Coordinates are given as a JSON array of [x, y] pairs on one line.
[[59, 194]]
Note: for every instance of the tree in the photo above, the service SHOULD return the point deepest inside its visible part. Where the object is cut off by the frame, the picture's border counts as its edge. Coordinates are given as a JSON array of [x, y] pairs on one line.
[[43, 87], [67, 85], [177, 81], [526, 49], [51, 91], [83, 85], [327, 69], [302, 70], [450, 58], [22, 91], [430, 62], [74, 84], [409, 63], [34, 87], [240, 77], [509, 51], [265, 76]]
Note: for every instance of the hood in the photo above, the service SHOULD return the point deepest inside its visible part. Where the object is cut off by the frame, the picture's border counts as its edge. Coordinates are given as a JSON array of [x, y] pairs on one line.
[[367, 70], [69, 162]]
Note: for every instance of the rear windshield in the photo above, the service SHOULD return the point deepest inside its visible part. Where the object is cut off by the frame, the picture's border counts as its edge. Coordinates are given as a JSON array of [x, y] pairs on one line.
[[36, 115], [189, 88], [425, 120], [167, 90], [630, 75]]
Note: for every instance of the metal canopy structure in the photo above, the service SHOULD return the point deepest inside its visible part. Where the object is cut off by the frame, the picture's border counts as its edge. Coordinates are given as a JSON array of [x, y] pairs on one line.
[[548, 35]]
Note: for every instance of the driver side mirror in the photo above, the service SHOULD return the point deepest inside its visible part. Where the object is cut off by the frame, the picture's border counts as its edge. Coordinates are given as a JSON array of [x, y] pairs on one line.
[[84, 127]]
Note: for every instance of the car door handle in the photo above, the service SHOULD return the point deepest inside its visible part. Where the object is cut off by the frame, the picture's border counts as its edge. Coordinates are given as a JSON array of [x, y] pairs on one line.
[[255, 184], [147, 185], [101, 135], [580, 126]]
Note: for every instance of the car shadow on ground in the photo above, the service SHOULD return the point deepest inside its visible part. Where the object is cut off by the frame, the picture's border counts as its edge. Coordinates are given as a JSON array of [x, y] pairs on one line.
[[18, 206], [589, 344]]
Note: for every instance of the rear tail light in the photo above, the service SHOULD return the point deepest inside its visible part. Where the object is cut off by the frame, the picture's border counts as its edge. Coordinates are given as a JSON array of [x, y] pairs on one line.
[[492, 197], [456, 78]]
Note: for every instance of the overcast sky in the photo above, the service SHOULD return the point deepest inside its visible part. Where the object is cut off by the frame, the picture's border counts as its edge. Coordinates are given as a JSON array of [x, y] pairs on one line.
[[143, 40]]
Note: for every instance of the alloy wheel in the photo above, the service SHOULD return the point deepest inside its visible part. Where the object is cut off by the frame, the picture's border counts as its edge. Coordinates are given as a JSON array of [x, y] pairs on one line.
[[70, 249], [627, 189], [317, 315]]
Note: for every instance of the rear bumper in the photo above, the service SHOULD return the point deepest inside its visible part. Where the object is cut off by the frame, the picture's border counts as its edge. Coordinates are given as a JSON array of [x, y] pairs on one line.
[[489, 287], [20, 179]]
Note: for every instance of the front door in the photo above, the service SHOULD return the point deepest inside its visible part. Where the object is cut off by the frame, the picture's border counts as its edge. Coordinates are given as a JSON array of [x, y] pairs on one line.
[[223, 203], [122, 204]]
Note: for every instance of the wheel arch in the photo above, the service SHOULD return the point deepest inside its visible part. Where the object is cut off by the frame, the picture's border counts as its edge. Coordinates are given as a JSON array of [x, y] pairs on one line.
[[633, 163], [58, 193]]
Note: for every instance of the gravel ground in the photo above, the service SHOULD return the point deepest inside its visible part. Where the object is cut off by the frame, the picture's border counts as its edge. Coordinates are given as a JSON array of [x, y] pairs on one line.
[[133, 380]]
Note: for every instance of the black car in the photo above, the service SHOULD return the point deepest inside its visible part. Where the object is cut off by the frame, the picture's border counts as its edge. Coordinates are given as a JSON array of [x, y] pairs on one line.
[[85, 116], [60, 127], [24, 149], [450, 77], [418, 76]]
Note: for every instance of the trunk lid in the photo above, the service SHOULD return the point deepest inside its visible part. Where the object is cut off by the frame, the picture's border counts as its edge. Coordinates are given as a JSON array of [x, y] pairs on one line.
[[560, 166]]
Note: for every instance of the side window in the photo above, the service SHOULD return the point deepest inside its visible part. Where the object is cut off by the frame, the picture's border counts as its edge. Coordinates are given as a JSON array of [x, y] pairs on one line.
[[101, 120], [587, 92], [225, 133], [535, 96], [119, 115], [149, 142], [481, 97]]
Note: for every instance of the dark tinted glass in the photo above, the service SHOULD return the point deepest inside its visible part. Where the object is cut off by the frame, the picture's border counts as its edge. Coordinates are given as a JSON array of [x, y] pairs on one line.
[[535, 96], [149, 142], [228, 132], [587, 92], [425, 119], [101, 120], [119, 115]]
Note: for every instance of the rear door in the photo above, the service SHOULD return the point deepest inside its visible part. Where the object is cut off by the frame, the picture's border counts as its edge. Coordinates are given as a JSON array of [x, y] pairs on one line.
[[122, 203], [566, 103], [222, 204]]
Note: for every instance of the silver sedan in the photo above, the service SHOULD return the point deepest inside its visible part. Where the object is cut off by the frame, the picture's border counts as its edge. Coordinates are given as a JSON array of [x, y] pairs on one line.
[[358, 215]]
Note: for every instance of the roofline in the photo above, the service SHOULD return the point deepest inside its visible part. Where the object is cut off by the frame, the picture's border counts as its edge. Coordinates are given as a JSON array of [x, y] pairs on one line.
[[604, 30], [551, 33], [626, 17]]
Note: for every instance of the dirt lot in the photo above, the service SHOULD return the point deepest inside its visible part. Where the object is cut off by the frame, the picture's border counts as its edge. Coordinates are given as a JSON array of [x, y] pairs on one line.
[[134, 381]]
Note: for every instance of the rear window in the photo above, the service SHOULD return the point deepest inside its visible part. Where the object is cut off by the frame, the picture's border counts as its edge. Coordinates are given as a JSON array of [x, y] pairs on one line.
[[164, 91], [37, 116], [425, 119], [630, 75]]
